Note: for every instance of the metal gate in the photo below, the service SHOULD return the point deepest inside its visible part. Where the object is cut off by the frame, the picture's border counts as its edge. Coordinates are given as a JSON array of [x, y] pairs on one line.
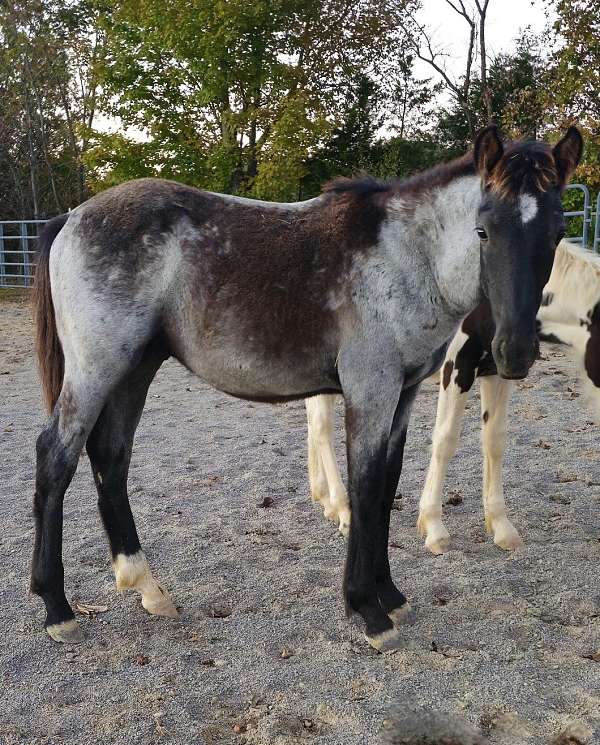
[[585, 213], [18, 251]]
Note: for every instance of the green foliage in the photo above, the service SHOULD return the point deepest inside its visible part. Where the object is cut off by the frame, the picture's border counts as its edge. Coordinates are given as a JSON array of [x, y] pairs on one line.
[[517, 83], [268, 98], [244, 91], [48, 54]]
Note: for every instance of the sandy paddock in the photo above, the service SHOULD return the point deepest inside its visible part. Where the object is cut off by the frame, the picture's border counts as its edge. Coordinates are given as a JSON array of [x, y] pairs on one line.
[[262, 652]]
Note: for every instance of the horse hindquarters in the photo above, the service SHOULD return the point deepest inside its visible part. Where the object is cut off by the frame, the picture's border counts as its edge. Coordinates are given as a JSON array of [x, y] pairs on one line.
[[102, 338]]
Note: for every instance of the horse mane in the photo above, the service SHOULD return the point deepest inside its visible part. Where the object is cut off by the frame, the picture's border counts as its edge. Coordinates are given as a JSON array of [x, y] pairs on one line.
[[525, 166], [437, 176]]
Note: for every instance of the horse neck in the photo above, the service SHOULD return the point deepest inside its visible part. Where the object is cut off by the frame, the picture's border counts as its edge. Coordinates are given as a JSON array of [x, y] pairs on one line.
[[442, 228]]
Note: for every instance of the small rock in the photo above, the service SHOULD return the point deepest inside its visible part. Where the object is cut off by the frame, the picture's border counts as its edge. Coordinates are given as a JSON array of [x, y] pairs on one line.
[[455, 499]]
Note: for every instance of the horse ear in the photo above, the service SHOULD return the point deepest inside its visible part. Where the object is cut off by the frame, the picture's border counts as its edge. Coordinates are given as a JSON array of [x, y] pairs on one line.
[[488, 149], [567, 154]]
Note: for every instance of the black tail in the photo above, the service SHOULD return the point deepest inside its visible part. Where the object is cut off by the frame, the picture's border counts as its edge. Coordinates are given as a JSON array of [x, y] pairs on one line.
[[50, 357]]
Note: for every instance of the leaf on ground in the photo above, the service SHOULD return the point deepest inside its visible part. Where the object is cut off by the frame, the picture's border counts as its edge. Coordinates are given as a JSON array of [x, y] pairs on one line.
[[594, 656]]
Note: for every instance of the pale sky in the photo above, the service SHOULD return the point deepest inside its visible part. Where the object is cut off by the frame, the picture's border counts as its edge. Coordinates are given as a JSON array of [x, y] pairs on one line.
[[505, 21]]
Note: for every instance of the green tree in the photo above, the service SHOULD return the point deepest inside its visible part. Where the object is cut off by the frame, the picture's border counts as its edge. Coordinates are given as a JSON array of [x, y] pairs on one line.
[[48, 104], [235, 95], [574, 80], [517, 97], [348, 148]]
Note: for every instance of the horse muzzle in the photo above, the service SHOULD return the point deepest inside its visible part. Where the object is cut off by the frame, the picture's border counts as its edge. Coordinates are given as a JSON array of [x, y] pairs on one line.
[[515, 354]]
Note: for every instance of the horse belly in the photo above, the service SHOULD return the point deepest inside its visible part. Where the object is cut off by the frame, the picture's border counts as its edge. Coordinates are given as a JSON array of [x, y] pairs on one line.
[[248, 369]]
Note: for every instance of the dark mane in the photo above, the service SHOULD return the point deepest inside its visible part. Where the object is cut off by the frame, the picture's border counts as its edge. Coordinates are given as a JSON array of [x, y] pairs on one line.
[[432, 178], [524, 166], [361, 186]]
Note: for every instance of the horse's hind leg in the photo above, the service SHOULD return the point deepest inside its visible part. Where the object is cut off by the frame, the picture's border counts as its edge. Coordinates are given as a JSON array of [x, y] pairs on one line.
[[109, 447], [323, 472], [58, 448]]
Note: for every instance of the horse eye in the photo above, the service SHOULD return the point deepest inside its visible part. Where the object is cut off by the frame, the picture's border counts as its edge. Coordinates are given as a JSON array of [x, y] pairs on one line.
[[481, 233]]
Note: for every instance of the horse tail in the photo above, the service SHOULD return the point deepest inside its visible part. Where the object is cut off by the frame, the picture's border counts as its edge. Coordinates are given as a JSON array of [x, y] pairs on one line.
[[51, 362]]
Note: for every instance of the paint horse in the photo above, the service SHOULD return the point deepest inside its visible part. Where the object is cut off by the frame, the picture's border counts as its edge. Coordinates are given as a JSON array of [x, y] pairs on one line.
[[358, 291], [569, 314]]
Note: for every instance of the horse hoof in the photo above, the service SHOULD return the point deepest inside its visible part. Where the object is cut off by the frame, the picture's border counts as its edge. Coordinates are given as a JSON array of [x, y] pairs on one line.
[[344, 525], [160, 605], [386, 641], [402, 616], [438, 544], [508, 540], [67, 632]]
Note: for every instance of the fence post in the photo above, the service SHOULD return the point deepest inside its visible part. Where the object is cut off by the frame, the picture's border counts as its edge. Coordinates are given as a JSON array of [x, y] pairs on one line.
[[587, 216], [25, 249], [597, 225], [2, 259]]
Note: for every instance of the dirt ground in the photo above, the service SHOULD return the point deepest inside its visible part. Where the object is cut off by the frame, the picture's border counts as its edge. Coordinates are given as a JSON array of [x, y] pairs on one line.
[[262, 653]]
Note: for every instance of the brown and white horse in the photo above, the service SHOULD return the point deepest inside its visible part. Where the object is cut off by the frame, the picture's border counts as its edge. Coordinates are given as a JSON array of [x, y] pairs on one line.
[[570, 314], [358, 291]]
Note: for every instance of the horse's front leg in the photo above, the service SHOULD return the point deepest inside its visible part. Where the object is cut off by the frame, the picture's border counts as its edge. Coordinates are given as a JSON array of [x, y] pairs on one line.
[[495, 395], [452, 399], [370, 410], [391, 599]]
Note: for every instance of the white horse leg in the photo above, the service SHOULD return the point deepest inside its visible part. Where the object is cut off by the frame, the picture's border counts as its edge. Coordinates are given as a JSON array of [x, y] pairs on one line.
[[450, 410], [324, 475], [495, 394], [317, 480]]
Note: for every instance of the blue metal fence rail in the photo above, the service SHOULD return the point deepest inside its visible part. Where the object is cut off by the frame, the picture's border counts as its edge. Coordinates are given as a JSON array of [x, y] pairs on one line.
[[18, 237], [585, 214]]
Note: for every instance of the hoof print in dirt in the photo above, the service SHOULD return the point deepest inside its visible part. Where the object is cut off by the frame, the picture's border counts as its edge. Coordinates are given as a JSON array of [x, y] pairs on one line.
[[422, 727], [574, 734]]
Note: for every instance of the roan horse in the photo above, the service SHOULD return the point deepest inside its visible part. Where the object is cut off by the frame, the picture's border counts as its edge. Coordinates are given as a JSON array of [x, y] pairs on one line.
[[358, 291], [569, 315]]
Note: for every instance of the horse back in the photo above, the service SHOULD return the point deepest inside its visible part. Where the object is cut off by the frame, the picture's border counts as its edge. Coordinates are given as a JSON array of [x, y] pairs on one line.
[[240, 287]]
